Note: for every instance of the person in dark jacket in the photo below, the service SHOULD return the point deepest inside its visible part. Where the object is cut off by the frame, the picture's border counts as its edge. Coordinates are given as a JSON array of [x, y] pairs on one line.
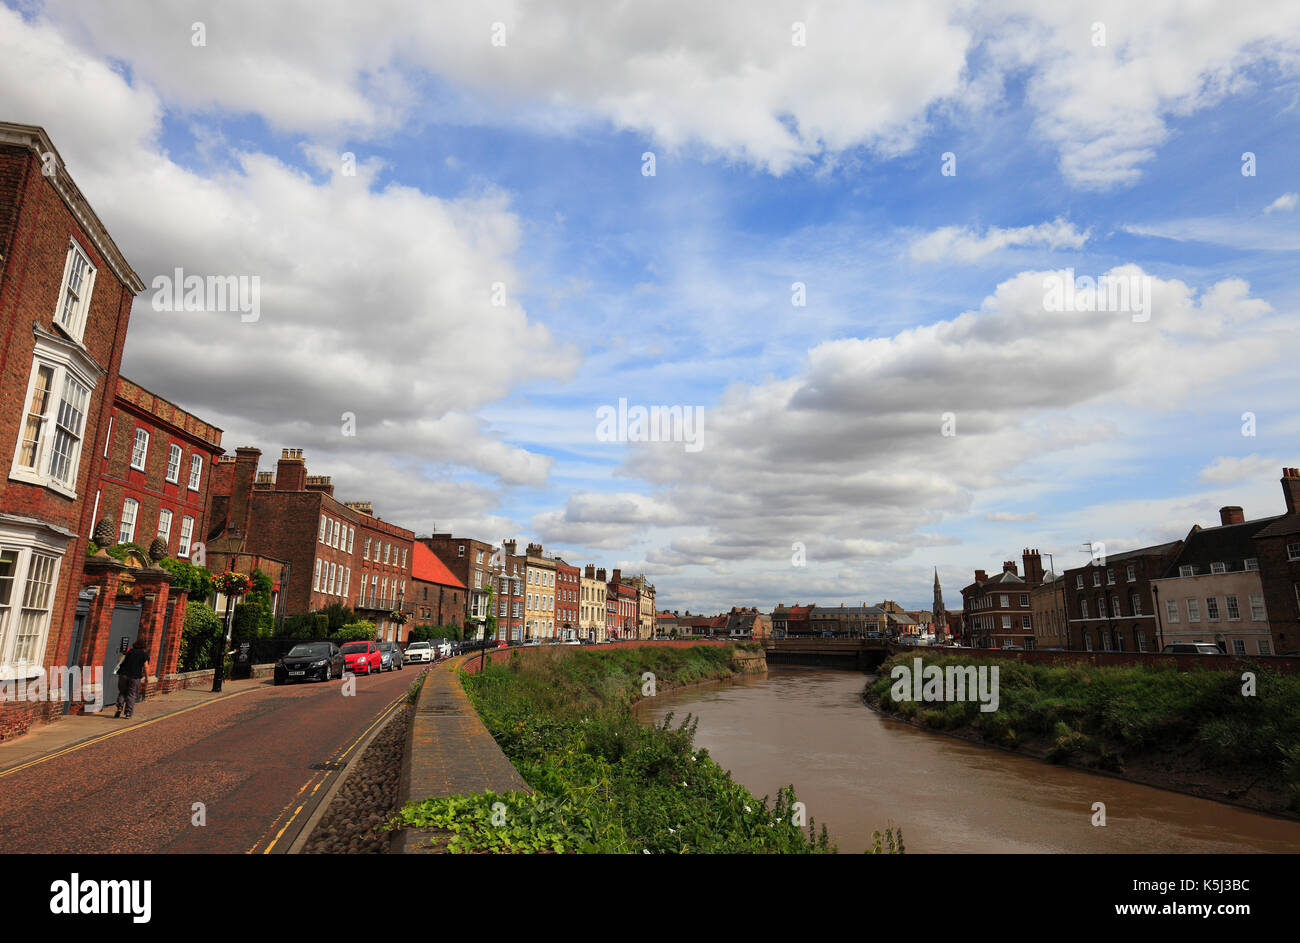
[[130, 672]]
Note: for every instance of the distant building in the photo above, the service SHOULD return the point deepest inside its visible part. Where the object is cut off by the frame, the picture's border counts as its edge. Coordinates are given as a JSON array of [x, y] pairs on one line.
[[568, 589], [591, 607], [997, 609], [470, 561], [437, 596]]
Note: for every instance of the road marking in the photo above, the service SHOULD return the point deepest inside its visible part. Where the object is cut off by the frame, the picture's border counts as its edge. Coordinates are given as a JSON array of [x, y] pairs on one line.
[[117, 733], [319, 780]]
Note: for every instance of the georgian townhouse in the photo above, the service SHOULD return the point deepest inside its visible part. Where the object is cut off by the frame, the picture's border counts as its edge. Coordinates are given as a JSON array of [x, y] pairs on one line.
[[335, 551], [539, 608], [591, 611], [65, 300], [156, 472], [1277, 549], [438, 597], [470, 561], [511, 594], [997, 610], [621, 599], [567, 590], [1109, 604]]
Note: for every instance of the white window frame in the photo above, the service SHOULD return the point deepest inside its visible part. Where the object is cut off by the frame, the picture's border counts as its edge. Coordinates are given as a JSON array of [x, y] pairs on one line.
[[1193, 609], [1211, 608], [174, 472], [1292, 552], [187, 534], [1218, 568], [28, 545], [196, 472], [1257, 612], [143, 452], [108, 439], [65, 364], [1229, 604], [74, 324], [324, 526], [352, 533], [121, 525], [166, 534]]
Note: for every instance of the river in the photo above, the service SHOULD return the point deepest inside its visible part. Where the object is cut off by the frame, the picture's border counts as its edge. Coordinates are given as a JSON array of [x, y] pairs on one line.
[[857, 771]]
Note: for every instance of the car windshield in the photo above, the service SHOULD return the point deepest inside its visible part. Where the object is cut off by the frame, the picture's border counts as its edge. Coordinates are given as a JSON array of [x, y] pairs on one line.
[[354, 648], [302, 651], [417, 645]]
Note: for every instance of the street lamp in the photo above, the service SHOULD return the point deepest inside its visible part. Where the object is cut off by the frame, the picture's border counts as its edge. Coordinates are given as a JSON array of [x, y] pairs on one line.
[[232, 585]]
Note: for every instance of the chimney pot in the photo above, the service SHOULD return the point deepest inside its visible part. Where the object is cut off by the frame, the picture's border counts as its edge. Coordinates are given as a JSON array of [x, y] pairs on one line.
[[1231, 514]]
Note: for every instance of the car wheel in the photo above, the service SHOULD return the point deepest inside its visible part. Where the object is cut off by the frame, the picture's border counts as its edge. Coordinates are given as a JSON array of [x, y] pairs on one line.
[[328, 672]]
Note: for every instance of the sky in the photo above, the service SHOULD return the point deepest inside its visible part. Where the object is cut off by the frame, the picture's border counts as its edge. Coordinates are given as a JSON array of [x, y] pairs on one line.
[[825, 231]]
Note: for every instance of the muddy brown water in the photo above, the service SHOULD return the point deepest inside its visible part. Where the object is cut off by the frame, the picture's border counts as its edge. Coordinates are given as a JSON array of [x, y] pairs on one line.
[[857, 771]]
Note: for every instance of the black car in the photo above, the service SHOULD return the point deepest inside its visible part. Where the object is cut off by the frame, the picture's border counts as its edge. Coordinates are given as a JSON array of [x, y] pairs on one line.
[[319, 660]]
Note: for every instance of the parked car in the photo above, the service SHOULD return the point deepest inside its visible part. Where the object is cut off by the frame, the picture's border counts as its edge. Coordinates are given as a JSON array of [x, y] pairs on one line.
[[418, 652], [1191, 648], [391, 656], [362, 658], [319, 660], [444, 650]]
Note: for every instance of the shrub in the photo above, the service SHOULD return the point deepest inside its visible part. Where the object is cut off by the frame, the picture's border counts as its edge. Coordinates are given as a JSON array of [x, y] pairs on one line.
[[200, 636], [361, 631]]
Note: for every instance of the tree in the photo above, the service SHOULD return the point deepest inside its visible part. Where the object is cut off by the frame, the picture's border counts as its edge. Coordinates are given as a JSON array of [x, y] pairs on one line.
[[361, 631], [200, 636]]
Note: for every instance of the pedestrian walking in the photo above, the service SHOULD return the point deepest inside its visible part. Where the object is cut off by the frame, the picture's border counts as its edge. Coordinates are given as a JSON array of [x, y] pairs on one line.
[[130, 672]]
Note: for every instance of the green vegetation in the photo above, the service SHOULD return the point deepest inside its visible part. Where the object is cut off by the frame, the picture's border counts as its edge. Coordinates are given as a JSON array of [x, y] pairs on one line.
[[1103, 716], [604, 782], [199, 637], [359, 631], [425, 633]]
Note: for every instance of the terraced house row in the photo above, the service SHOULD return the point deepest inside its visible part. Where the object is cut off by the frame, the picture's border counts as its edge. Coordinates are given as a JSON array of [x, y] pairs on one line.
[[1235, 585], [93, 454]]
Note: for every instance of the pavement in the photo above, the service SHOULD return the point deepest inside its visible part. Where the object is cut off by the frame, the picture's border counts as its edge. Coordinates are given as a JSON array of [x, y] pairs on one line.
[[191, 772], [449, 752]]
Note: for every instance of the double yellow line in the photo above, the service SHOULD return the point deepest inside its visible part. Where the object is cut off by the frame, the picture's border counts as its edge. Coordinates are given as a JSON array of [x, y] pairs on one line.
[[317, 781]]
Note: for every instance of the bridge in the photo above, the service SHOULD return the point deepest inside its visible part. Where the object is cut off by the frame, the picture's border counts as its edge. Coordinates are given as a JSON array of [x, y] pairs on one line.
[[860, 654]]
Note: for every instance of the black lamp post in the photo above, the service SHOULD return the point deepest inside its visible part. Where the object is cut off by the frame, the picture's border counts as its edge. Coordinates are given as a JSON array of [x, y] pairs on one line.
[[218, 675]]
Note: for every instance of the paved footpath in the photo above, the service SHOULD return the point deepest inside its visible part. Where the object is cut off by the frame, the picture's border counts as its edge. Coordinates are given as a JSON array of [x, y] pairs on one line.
[[259, 757]]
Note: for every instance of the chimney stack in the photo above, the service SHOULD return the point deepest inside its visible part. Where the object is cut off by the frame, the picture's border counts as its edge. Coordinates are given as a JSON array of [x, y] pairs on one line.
[[1009, 566], [1291, 489], [1033, 561], [1232, 514], [509, 547], [600, 575], [589, 571], [981, 576], [291, 471], [246, 459]]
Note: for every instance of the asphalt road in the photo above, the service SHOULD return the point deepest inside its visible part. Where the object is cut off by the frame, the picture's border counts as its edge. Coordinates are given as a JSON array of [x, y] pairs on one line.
[[259, 763]]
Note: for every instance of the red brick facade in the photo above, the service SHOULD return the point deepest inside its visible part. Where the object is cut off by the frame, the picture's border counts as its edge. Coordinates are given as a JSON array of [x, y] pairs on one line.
[[568, 589], [60, 354], [172, 488]]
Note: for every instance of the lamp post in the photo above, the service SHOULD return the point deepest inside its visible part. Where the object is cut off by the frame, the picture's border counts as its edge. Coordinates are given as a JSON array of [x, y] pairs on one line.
[[232, 586]]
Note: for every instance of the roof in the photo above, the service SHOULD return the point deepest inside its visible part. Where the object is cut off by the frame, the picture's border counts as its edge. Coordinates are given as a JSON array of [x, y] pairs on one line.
[[1229, 544], [429, 568], [1283, 526]]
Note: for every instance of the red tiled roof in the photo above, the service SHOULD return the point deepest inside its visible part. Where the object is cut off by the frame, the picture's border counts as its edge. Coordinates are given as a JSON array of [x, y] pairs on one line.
[[426, 566]]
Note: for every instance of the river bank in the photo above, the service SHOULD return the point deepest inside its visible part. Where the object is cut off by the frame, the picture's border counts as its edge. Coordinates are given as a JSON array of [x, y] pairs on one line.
[[1191, 733], [601, 781]]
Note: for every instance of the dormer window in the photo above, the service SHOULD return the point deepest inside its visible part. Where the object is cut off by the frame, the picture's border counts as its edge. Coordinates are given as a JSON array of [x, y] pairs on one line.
[[1218, 568]]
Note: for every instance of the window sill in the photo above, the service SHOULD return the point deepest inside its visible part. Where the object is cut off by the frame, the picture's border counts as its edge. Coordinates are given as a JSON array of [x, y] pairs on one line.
[[40, 481]]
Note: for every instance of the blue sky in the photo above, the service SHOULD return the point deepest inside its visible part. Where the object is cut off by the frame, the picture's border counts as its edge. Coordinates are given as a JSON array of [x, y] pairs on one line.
[[523, 165]]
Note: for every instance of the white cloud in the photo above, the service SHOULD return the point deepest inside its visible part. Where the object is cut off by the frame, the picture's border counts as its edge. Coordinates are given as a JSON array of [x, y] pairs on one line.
[[1228, 470], [964, 245], [1283, 204], [722, 76], [1007, 517], [374, 301]]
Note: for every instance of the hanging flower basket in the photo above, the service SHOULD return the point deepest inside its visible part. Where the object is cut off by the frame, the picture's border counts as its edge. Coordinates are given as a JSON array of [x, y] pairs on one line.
[[231, 583], [399, 617]]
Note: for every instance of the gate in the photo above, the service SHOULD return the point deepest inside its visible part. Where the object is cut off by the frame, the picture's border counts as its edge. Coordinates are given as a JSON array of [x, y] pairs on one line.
[[121, 636]]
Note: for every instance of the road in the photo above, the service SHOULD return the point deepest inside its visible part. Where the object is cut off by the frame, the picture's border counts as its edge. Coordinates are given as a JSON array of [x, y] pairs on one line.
[[258, 762]]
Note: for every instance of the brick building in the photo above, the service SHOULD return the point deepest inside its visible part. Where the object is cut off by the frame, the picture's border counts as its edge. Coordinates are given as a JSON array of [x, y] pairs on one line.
[[65, 301], [334, 552], [621, 603], [437, 596], [1109, 605], [510, 595], [997, 609], [842, 620], [1277, 551], [568, 588], [1048, 614], [155, 478], [470, 561]]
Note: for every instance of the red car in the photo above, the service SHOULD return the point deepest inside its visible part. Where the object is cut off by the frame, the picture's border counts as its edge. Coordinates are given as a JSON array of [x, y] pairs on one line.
[[361, 658]]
